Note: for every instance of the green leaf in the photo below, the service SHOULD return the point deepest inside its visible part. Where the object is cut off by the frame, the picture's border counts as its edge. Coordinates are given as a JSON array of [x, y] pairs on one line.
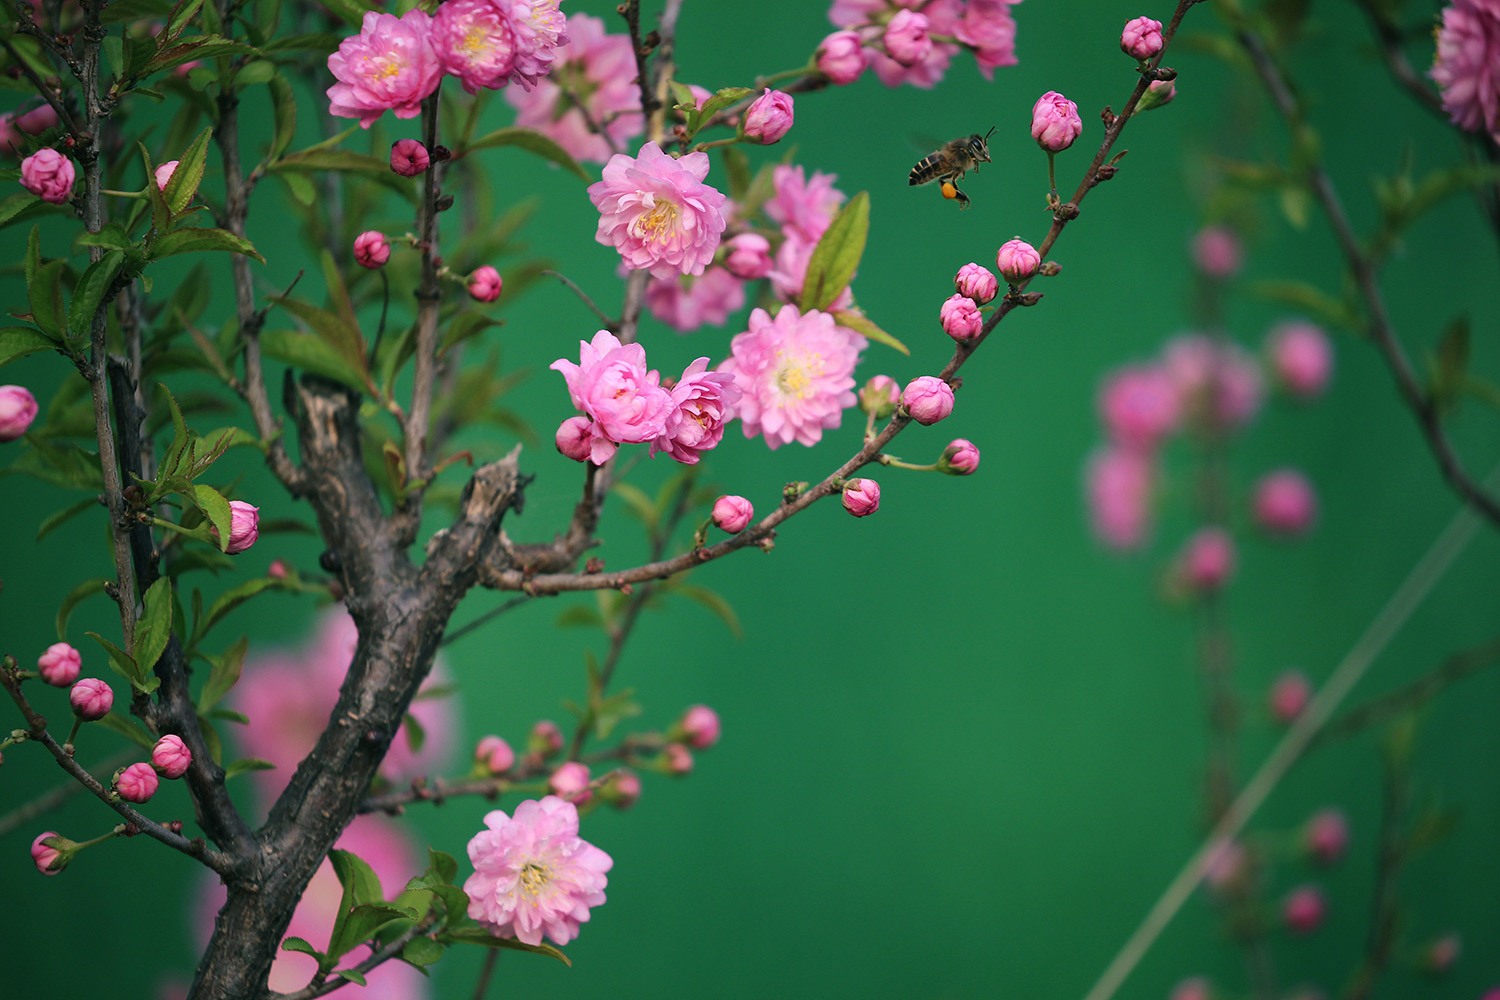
[[422, 951], [361, 884], [112, 237], [257, 71], [532, 142], [192, 240], [19, 341], [90, 292], [45, 292], [343, 160], [861, 324], [196, 47], [56, 519], [416, 736], [442, 865], [214, 507], [13, 205], [188, 175], [312, 353], [77, 594], [284, 110], [641, 505], [154, 628], [579, 615], [119, 660], [718, 102], [299, 945], [1451, 363], [224, 674], [837, 255], [1308, 298], [178, 20], [64, 464], [161, 215], [247, 764], [737, 167], [714, 602], [483, 938], [353, 975], [129, 728], [363, 922]]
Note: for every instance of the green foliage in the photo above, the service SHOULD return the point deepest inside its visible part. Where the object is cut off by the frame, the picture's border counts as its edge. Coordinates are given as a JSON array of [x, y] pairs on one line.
[[837, 255]]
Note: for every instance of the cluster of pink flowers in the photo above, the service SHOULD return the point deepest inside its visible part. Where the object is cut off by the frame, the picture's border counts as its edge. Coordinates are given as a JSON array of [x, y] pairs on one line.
[[623, 402], [803, 207], [896, 38], [657, 212], [1467, 66], [591, 82], [685, 303]]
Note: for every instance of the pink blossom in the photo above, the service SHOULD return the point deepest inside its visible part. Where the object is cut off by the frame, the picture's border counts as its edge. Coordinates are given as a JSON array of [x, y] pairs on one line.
[[942, 19], [1195, 988], [1017, 261], [571, 781], [485, 284], [171, 757], [928, 399], [658, 212], [390, 65], [1467, 66], [59, 665], [1206, 562], [371, 249], [164, 173], [17, 410], [613, 387], [49, 175], [960, 458], [880, 396], [1139, 406], [1326, 836], [976, 282], [702, 401], [790, 273], [545, 739], [1218, 383], [685, 303], [622, 789], [677, 759], [842, 57], [1228, 867], [137, 783], [989, 30], [861, 497], [541, 29], [700, 725], [533, 875], [1301, 357], [494, 755], [802, 205], [1217, 251], [244, 527], [1289, 696], [769, 117], [906, 38], [748, 256], [733, 513], [1439, 956], [575, 438], [1055, 122], [278, 569], [1141, 38], [38, 120], [409, 157], [599, 68], [1304, 909], [45, 856], [961, 318], [1119, 482], [1284, 503], [475, 42], [91, 699], [795, 373]]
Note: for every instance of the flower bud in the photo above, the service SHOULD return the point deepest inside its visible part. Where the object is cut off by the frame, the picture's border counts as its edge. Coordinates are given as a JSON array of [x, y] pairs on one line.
[[171, 757], [1284, 503], [1216, 252], [17, 410], [621, 789], [1158, 93], [1439, 956], [1139, 406], [842, 57], [733, 513], [575, 438], [137, 783], [409, 157], [91, 699], [748, 256], [59, 665], [1055, 122], [862, 497], [1206, 562], [1196, 988], [1304, 909], [49, 175], [51, 852], [494, 755], [1228, 868], [277, 570], [1141, 38], [164, 174], [960, 458], [880, 396], [961, 318], [1289, 696], [769, 117], [244, 527], [976, 282], [1326, 836], [371, 249], [677, 759], [1017, 261], [699, 725], [906, 39], [1301, 358], [38, 120], [545, 739], [484, 284], [928, 399], [571, 782]]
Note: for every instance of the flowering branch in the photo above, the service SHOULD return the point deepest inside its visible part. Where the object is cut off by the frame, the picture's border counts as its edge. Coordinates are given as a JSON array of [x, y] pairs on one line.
[[429, 299]]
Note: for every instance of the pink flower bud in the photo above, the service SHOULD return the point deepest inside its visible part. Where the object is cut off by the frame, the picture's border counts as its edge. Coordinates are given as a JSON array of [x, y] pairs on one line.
[[748, 256], [928, 399], [880, 396], [1216, 252], [1141, 38], [494, 755], [571, 782], [906, 39], [575, 438], [1017, 261], [1196, 988], [700, 725], [1284, 503], [38, 120], [484, 284], [17, 410], [91, 699], [1139, 406], [1304, 909], [545, 738], [1228, 868], [45, 856], [371, 249], [1439, 956], [769, 117], [1119, 483], [277, 570], [842, 57], [1055, 122], [622, 788], [960, 458], [961, 318], [49, 175], [733, 513], [164, 173], [137, 783], [862, 497], [409, 157], [976, 282], [171, 757], [59, 665], [1289, 696], [1158, 93], [244, 527], [1206, 562], [677, 759], [1301, 357], [1326, 836]]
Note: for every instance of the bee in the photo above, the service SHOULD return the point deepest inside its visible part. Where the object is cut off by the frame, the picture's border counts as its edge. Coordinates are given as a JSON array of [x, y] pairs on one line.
[[950, 162]]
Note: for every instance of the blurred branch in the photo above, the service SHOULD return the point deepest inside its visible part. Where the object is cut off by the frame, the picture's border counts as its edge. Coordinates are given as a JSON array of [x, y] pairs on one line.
[[1384, 912], [54, 797]]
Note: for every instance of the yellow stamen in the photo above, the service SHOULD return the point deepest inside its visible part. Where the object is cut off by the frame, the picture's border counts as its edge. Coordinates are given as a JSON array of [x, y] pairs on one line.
[[657, 225], [794, 378], [534, 878]]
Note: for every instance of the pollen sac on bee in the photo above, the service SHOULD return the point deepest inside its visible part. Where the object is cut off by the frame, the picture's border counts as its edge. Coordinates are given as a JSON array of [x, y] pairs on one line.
[[949, 190]]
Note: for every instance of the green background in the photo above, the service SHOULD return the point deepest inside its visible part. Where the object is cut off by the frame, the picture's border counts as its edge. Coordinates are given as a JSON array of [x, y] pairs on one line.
[[963, 746]]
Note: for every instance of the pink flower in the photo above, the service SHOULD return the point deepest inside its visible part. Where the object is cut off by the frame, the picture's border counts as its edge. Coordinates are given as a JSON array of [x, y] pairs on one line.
[[485, 284], [960, 458], [1304, 909], [390, 65], [1206, 562], [942, 19], [702, 402], [733, 513], [1326, 836], [677, 759], [685, 303], [880, 396], [575, 438], [44, 856], [906, 38], [409, 157], [988, 29], [976, 282], [600, 67], [795, 373], [862, 497], [137, 783], [801, 205], [1141, 38], [769, 117], [1217, 251], [277, 570], [961, 318], [38, 120], [622, 788], [91, 699], [1301, 357], [792, 259], [244, 527], [49, 175], [700, 725], [171, 757], [371, 250], [1439, 956], [164, 173], [1195, 988], [545, 739], [494, 755], [571, 781], [1139, 406], [540, 31], [59, 665], [1284, 503], [17, 410], [612, 387], [475, 42], [748, 256], [1289, 696], [1228, 867], [1218, 384], [658, 212], [1017, 261], [533, 875], [928, 399], [1119, 496], [842, 57], [1467, 66], [1055, 122]]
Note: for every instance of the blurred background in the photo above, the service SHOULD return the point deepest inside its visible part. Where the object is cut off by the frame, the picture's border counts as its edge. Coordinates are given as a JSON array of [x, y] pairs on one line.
[[964, 744]]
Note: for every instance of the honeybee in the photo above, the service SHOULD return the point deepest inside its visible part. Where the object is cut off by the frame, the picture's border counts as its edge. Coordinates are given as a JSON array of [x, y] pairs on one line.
[[950, 162]]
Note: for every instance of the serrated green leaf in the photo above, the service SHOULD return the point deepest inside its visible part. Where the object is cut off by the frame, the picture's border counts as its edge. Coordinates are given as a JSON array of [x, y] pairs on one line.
[[14, 204], [442, 865], [312, 353], [56, 519], [224, 674], [111, 237], [245, 765], [129, 728], [353, 975], [154, 628], [161, 215], [190, 49], [89, 294], [193, 240], [837, 255], [862, 325], [230, 600], [188, 175], [533, 142], [76, 595], [119, 660], [300, 945], [45, 292], [718, 102], [256, 72], [344, 160], [284, 111], [361, 884], [19, 341], [61, 464], [364, 921], [422, 951], [214, 507], [339, 329], [483, 938], [178, 20]]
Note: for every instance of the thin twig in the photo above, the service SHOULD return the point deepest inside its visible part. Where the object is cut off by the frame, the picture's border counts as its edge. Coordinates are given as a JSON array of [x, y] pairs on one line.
[[453, 635], [55, 796], [1384, 912], [482, 984], [582, 296]]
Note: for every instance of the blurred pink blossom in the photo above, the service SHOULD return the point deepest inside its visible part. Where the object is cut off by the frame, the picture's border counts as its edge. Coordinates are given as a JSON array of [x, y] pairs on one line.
[[571, 782], [1289, 695], [1139, 406], [906, 38], [1217, 252], [1206, 562], [1467, 65], [1284, 503], [842, 57], [1119, 485], [801, 204], [494, 755], [1326, 835], [1218, 383], [686, 303], [987, 26], [1304, 909], [657, 211], [1301, 357], [540, 30], [748, 256], [700, 725], [597, 69]]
